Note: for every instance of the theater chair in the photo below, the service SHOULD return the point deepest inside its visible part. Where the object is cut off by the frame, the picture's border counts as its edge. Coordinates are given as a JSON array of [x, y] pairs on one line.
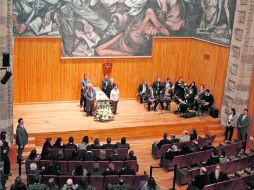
[[72, 165], [112, 179], [97, 182]]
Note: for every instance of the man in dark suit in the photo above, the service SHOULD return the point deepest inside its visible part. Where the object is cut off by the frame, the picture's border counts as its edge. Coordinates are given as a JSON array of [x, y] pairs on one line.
[[214, 159], [5, 154], [173, 139], [142, 91], [108, 145], [165, 140], [202, 179], [152, 98], [180, 88], [105, 83], [217, 175], [242, 125], [90, 100], [21, 138], [71, 144], [157, 86], [37, 185], [208, 98]]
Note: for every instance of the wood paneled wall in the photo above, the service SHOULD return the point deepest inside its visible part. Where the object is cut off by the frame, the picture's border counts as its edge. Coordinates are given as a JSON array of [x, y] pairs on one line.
[[251, 111], [40, 75]]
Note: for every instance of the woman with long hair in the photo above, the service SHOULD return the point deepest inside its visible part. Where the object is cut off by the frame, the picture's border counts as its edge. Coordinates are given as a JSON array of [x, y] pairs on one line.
[[231, 124]]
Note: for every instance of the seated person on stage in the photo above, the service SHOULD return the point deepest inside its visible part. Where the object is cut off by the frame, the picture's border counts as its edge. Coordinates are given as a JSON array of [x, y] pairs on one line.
[[157, 86], [174, 139], [199, 96], [71, 144], [169, 84], [122, 144], [152, 99], [214, 159], [208, 98], [165, 140], [108, 145], [217, 175], [200, 181], [166, 97], [185, 137], [189, 98], [142, 91]]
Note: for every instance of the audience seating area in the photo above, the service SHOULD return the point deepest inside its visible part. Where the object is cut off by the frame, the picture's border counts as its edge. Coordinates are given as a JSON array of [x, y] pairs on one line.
[[157, 153]]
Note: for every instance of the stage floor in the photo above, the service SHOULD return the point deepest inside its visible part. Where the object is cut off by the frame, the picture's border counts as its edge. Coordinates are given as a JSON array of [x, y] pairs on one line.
[[67, 116]]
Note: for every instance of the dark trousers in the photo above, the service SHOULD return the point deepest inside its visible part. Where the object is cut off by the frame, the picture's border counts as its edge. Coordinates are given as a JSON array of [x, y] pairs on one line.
[[20, 151], [84, 106], [114, 106], [141, 98], [229, 133], [89, 107], [7, 165], [82, 98], [156, 102]]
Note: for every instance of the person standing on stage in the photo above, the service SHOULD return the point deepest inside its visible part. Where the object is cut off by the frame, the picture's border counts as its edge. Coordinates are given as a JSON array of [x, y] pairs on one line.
[[110, 87], [84, 84], [208, 98], [231, 124], [90, 100], [21, 138], [180, 88], [142, 91], [114, 98], [157, 86], [105, 83], [5, 154], [242, 125]]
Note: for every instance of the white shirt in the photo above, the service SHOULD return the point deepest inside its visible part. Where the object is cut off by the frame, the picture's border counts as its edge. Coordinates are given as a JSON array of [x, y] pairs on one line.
[[144, 89], [244, 117], [114, 95]]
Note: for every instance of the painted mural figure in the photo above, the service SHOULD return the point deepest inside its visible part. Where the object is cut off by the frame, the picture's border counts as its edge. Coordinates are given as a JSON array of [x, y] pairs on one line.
[[143, 24]]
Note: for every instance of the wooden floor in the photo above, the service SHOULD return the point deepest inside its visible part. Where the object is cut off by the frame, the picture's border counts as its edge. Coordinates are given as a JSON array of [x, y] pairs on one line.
[[140, 127]]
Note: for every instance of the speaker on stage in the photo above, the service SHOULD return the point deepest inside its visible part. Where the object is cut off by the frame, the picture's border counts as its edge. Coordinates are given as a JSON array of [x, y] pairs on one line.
[[6, 77], [6, 60], [214, 112]]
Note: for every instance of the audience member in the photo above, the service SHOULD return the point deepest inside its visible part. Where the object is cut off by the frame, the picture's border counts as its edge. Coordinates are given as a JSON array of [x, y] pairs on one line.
[[111, 170], [150, 185], [108, 145], [193, 135], [186, 149], [214, 159], [122, 144], [173, 139], [217, 175], [59, 156], [185, 137], [208, 145], [46, 155], [115, 156], [165, 140], [69, 185], [223, 158], [58, 143], [79, 171], [52, 184], [89, 155], [131, 156], [52, 169], [84, 143], [5, 154], [96, 144], [120, 186], [33, 169], [33, 155], [47, 145], [37, 185], [71, 144], [172, 152], [127, 170], [75, 155], [18, 184], [195, 146], [96, 171], [102, 156], [200, 180], [84, 185]]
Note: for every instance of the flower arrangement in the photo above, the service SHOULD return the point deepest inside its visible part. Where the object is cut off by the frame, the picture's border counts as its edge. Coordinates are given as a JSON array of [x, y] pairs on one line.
[[103, 111]]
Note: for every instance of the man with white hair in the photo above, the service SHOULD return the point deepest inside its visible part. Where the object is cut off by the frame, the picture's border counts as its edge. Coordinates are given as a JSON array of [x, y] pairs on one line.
[[90, 100], [69, 185], [200, 180], [185, 137], [217, 175]]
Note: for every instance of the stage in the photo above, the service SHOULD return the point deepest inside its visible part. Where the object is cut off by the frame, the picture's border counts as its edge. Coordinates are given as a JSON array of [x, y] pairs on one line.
[[132, 120]]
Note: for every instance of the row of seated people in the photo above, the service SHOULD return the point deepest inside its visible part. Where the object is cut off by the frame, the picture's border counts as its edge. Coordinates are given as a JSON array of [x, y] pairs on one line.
[[87, 155], [164, 92], [85, 144], [173, 139], [85, 183]]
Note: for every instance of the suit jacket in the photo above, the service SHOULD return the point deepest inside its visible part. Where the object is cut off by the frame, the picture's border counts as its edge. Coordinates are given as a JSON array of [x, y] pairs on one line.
[[140, 88], [212, 160], [157, 86], [201, 180], [105, 84], [209, 99], [109, 88], [108, 146], [222, 177], [243, 123], [174, 140], [162, 142], [232, 122], [90, 95], [37, 186], [21, 136], [71, 146]]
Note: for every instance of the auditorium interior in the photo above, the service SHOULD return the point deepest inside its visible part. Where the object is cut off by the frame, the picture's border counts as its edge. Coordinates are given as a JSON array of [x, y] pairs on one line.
[[151, 52]]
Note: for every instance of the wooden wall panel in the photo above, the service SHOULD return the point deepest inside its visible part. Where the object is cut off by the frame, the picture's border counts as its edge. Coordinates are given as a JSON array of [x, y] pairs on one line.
[[40, 75], [251, 111]]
